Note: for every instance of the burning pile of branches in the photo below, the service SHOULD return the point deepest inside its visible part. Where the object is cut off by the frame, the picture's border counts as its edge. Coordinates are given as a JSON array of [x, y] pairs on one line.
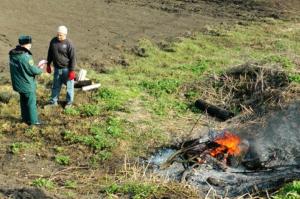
[[219, 150], [224, 162]]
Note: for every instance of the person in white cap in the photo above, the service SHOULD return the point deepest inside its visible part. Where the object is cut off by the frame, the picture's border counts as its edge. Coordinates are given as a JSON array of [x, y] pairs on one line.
[[61, 53]]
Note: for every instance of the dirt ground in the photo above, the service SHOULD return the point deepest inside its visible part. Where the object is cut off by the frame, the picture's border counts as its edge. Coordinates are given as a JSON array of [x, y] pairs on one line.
[[101, 31]]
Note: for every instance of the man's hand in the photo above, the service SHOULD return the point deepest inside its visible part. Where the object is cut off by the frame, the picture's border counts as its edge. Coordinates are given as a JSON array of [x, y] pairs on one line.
[[71, 75], [48, 68]]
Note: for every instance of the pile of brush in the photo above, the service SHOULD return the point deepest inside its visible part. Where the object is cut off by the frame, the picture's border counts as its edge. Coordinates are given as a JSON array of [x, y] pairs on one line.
[[252, 87]]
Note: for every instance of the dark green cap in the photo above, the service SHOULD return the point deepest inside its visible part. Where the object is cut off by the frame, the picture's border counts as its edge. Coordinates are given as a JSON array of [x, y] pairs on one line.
[[25, 39]]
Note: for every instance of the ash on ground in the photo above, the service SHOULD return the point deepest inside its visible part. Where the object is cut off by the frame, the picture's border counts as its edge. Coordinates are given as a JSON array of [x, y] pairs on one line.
[[273, 159]]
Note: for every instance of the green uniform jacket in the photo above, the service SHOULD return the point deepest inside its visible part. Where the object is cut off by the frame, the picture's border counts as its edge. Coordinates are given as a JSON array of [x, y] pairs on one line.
[[23, 70]]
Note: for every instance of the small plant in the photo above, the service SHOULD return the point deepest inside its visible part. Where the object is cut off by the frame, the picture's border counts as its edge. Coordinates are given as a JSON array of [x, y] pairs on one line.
[[98, 140], [104, 155], [90, 109], [114, 127], [200, 67], [42, 182], [156, 88], [112, 98], [15, 148], [59, 149], [71, 111], [283, 60], [70, 184], [136, 190], [30, 132], [294, 78], [180, 107], [107, 94], [289, 191], [62, 160]]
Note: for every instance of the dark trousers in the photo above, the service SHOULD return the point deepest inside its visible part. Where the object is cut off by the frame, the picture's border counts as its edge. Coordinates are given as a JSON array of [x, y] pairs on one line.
[[28, 107]]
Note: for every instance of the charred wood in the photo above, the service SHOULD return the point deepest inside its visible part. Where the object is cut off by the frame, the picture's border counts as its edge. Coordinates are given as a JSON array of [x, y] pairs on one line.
[[214, 110]]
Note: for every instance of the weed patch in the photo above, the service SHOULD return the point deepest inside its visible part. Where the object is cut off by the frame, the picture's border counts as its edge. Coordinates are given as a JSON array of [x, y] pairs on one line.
[[17, 147], [157, 88], [90, 110], [43, 183], [294, 78], [102, 138], [62, 159], [135, 189], [289, 191]]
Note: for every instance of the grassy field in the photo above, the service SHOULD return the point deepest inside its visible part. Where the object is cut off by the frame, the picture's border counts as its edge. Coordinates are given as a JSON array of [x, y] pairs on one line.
[[139, 108]]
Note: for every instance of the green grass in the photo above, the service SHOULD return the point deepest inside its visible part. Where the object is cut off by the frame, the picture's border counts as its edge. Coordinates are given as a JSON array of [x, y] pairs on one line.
[[158, 81], [137, 190], [17, 147], [69, 184], [149, 104], [289, 191], [43, 183], [294, 78], [62, 159]]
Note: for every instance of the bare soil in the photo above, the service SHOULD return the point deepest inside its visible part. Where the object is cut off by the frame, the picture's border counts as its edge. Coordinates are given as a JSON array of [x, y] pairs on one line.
[[101, 31]]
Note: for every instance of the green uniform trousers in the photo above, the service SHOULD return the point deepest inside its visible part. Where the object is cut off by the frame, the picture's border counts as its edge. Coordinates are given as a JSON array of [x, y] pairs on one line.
[[28, 107]]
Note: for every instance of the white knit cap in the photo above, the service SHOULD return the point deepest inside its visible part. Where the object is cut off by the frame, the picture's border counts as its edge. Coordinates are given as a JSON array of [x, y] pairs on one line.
[[62, 29]]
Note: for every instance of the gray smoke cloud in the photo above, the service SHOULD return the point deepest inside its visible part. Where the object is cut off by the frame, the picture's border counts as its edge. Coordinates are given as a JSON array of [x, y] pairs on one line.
[[278, 141]]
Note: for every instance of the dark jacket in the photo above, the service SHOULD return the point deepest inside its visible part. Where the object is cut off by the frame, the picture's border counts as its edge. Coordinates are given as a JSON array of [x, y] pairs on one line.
[[23, 70], [62, 54]]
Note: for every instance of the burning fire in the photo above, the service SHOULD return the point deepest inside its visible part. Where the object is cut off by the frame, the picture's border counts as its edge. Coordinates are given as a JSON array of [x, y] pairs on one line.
[[229, 144]]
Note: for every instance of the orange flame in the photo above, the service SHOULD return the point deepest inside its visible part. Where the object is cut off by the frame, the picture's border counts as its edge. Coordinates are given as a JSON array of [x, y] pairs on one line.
[[229, 144]]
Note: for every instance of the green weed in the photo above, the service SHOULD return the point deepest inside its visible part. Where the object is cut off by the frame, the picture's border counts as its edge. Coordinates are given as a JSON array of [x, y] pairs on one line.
[[102, 138], [107, 94], [31, 132], [70, 184], [43, 183], [284, 61], [62, 159], [136, 190], [113, 100], [157, 88], [289, 191], [72, 111], [59, 149], [200, 66], [294, 78], [114, 127], [90, 110], [15, 148]]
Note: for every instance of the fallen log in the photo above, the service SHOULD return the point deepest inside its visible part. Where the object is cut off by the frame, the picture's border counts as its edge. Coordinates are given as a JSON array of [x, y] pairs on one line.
[[214, 110]]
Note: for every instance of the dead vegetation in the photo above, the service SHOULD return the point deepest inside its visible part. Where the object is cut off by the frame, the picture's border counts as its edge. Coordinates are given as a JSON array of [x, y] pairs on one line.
[[251, 87]]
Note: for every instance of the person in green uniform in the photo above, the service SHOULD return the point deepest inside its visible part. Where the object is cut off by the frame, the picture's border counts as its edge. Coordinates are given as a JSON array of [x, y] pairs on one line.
[[23, 72]]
